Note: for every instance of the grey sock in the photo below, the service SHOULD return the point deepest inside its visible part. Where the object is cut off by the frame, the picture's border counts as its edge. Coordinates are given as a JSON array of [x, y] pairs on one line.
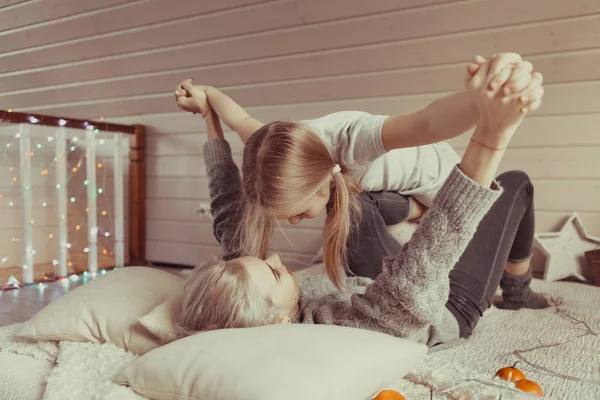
[[516, 293]]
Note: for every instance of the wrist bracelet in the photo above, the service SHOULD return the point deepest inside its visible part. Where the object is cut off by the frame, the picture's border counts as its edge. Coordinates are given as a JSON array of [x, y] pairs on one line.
[[488, 147]]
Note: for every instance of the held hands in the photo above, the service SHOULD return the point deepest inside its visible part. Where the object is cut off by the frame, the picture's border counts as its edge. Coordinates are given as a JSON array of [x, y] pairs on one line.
[[192, 98], [504, 91]]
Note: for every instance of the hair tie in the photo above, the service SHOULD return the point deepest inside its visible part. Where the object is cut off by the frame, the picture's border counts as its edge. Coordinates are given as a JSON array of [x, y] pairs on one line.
[[336, 169]]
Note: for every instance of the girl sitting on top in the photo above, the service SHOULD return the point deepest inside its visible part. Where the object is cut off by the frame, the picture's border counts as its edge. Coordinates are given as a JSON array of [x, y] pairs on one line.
[[433, 290], [288, 168]]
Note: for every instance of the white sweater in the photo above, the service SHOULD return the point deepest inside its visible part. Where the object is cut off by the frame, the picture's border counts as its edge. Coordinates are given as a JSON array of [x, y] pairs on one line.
[[354, 139]]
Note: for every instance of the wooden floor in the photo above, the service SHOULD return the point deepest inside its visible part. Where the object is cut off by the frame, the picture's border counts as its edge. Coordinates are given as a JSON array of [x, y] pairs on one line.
[[18, 305]]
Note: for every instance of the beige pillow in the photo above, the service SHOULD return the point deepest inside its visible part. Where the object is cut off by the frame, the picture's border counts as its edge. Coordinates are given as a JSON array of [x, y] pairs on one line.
[[292, 362], [160, 321], [106, 310]]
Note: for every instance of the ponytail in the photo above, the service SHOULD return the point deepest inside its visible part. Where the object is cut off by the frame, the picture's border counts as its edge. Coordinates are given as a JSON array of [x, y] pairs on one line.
[[345, 209]]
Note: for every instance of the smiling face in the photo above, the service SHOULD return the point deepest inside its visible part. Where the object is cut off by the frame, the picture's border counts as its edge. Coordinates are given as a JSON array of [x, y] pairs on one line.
[[313, 206], [275, 282]]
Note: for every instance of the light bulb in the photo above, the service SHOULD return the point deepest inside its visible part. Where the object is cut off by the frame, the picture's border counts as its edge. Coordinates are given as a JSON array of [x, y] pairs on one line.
[[78, 227], [68, 245], [85, 182], [75, 139], [72, 148], [39, 146], [44, 204], [50, 236], [10, 204], [101, 141], [7, 144], [33, 120], [107, 234], [62, 122], [50, 138], [54, 262], [100, 190], [86, 250], [72, 199]]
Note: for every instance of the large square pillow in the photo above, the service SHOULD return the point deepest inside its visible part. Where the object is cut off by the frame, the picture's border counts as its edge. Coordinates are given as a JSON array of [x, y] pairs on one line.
[[274, 362], [106, 310]]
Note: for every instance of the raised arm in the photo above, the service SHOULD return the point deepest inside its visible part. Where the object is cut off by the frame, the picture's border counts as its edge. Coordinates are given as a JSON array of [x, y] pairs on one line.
[[198, 99], [410, 293], [456, 113], [225, 187]]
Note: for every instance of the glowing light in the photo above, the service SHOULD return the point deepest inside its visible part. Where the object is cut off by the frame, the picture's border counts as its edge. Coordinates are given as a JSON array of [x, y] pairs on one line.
[[100, 190], [68, 245], [50, 236], [32, 222], [72, 148], [101, 118], [99, 165], [11, 169], [33, 120], [27, 188], [9, 110], [74, 169], [62, 217], [72, 199], [101, 141], [7, 144], [104, 212], [69, 264], [104, 251], [18, 135], [85, 182], [11, 204], [50, 138], [62, 122], [14, 179], [75, 139], [89, 127], [3, 260], [58, 186], [31, 153], [39, 146], [44, 204], [107, 234], [59, 155], [96, 130], [86, 250], [78, 227]]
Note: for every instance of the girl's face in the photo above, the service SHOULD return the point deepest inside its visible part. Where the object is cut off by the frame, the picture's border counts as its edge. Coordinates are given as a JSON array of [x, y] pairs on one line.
[[276, 282], [313, 206]]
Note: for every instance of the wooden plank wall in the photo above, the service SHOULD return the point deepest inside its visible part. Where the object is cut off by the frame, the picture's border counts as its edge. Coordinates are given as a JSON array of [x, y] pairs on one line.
[[301, 59]]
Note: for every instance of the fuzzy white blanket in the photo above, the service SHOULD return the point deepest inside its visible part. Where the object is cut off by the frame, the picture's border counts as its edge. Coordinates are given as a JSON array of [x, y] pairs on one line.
[[84, 370]]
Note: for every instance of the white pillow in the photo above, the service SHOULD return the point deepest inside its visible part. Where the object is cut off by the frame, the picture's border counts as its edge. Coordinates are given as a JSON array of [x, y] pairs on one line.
[[161, 320], [274, 362], [106, 310]]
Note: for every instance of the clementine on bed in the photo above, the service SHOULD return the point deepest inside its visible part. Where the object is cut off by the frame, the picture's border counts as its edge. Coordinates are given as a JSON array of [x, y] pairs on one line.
[[389, 395]]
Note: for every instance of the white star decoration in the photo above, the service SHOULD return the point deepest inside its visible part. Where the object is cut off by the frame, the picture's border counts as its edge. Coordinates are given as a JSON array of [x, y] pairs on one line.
[[565, 251]]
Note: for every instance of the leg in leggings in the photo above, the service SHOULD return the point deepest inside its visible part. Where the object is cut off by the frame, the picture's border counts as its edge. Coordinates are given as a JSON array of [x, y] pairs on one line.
[[369, 242], [504, 235]]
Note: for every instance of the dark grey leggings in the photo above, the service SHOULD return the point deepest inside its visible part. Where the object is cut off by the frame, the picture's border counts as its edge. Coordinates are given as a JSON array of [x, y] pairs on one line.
[[504, 234]]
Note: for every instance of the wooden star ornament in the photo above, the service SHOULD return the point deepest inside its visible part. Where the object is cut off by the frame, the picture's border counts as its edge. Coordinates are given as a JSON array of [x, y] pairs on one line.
[[565, 251]]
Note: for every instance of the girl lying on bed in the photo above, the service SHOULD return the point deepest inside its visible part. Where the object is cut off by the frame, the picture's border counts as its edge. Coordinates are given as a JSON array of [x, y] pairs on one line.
[[432, 290]]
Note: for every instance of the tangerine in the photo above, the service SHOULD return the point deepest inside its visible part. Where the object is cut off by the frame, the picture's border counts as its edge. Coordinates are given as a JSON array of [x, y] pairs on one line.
[[529, 386], [389, 395], [510, 374]]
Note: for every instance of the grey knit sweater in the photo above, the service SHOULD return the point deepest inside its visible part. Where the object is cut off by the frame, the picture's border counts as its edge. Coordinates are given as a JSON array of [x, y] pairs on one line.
[[408, 298]]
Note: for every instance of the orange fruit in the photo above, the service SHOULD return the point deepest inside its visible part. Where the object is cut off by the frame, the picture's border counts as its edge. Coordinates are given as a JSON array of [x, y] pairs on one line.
[[529, 386], [389, 395], [510, 374]]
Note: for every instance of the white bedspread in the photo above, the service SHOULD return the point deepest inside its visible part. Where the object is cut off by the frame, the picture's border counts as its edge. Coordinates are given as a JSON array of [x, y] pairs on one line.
[[84, 370]]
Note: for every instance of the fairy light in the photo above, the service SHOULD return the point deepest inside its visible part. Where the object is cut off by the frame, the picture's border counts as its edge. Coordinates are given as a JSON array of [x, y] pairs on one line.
[[34, 153]]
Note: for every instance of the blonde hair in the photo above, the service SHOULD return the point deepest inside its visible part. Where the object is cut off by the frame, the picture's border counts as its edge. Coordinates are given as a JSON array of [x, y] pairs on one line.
[[285, 164], [221, 295]]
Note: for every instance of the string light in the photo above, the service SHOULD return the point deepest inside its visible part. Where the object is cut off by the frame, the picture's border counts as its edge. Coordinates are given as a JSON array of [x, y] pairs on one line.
[[37, 149]]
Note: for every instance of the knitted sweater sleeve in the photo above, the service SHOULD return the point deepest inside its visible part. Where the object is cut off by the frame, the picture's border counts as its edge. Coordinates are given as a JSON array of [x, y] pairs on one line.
[[225, 187], [411, 292]]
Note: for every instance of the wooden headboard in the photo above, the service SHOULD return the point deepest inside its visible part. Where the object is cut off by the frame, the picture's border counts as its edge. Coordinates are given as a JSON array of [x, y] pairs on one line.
[[136, 203]]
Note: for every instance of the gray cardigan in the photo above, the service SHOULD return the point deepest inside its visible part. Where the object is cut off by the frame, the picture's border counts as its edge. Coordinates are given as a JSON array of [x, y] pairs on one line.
[[408, 298]]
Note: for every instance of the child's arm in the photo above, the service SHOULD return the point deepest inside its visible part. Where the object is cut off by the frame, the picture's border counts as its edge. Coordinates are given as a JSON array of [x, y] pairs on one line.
[[232, 114], [454, 114], [198, 99]]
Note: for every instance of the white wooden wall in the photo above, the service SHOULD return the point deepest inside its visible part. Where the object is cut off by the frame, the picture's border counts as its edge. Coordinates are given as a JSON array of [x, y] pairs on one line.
[[301, 59]]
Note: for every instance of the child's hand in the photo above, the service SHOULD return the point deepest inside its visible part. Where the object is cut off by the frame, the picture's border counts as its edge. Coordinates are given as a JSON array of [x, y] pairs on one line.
[[191, 98], [512, 75], [498, 115]]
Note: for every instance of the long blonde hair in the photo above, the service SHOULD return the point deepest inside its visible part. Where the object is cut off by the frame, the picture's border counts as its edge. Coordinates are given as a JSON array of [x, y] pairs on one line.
[[285, 164], [220, 295]]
